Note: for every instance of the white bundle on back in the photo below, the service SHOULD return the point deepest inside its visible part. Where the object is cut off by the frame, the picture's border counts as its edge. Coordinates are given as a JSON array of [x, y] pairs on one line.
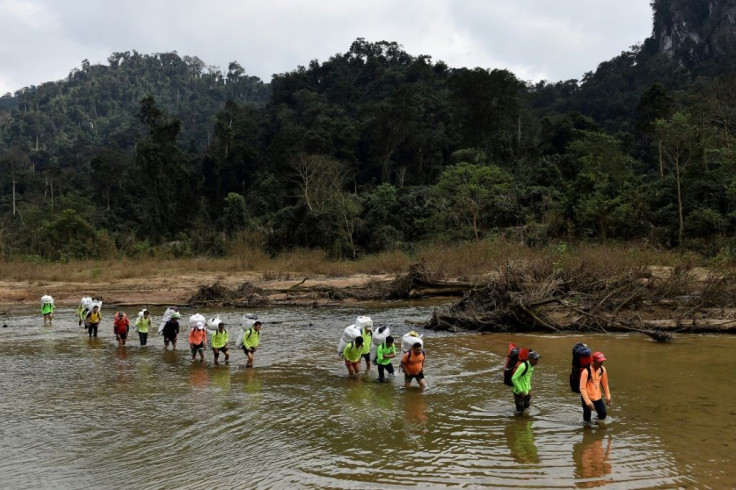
[[171, 312], [47, 299], [379, 336], [249, 319], [408, 341], [196, 318], [350, 333], [86, 303], [363, 321]]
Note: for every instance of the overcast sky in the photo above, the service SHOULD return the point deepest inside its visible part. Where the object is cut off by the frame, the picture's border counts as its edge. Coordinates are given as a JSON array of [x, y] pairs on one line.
[[43, 40]]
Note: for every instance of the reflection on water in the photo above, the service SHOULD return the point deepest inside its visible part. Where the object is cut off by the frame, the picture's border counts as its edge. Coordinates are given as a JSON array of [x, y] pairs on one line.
[[415, 411], [520, 439], [79, 410], [592, 458]]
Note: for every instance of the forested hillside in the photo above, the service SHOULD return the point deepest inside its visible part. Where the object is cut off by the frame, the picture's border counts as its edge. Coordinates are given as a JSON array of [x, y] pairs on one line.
[[377, 149]]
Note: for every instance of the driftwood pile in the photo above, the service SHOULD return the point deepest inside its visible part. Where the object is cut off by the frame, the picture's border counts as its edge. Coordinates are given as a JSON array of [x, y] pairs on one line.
[[532, 297], [416, 284]]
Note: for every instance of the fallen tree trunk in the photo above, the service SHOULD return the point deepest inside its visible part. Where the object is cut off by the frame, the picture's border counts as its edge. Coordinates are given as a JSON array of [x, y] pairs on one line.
[[518, 300]]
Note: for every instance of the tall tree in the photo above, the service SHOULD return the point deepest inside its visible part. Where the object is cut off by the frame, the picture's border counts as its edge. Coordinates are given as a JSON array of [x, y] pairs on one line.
[[678, 137]]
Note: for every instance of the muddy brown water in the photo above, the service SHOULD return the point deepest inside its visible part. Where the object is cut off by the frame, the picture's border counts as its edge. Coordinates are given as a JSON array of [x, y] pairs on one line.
[[80, 413]]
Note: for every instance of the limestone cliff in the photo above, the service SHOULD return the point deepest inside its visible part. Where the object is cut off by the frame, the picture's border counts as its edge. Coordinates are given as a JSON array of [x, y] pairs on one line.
[[695, 32]]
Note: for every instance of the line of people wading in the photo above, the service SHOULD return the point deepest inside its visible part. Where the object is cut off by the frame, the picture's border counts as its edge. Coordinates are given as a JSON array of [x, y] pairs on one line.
[[90, 316], [588, 376]]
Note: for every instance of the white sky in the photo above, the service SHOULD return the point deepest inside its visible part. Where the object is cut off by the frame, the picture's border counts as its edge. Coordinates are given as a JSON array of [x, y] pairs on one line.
[[43, 40]]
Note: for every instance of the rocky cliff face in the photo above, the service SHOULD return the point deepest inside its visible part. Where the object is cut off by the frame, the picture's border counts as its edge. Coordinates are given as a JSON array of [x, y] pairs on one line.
[[695, 31]]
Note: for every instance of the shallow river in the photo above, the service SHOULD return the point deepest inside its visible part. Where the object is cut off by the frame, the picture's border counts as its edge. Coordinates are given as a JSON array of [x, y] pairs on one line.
[[80, 413]]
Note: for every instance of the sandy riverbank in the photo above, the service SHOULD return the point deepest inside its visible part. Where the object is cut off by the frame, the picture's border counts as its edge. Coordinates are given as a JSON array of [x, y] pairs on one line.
[[167, 289]]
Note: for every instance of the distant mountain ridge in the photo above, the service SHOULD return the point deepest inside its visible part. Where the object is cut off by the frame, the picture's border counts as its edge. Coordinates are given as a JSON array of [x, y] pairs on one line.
[[100, 102]]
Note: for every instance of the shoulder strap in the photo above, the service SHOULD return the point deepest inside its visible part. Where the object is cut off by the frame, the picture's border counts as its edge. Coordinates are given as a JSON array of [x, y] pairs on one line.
[[250, 331], [526, 368]]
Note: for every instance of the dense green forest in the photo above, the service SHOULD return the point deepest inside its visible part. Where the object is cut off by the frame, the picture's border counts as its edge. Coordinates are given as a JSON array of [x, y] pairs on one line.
[[376, 149]]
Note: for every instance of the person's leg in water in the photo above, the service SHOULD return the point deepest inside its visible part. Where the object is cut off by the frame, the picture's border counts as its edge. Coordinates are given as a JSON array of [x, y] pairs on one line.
[[353, 367], [586, 411], [249, 354], [217, 355], [600, 409], [522, 402], [226, 351]]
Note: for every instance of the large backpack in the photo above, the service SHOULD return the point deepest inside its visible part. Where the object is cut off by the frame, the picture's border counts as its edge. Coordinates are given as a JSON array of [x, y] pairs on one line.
[[581, 359], [515, 357]]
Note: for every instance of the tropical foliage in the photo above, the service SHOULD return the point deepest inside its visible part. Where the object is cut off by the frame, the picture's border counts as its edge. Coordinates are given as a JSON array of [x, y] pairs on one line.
[[372, 150]]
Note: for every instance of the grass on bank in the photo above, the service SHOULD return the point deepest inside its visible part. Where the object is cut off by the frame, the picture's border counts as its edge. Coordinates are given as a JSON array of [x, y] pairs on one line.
[[471, 261]]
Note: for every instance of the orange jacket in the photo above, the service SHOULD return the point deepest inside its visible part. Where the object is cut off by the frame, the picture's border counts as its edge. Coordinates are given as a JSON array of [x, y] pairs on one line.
[[197, 336], [412, 363], [590, 389]]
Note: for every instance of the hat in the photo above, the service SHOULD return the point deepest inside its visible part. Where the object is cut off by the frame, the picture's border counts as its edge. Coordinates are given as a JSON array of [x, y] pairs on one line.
[[200, 325], [533, 355], [598, 357]]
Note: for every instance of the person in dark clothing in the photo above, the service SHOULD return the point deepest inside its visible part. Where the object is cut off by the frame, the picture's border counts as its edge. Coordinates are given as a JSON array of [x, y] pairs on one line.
[[171, 330]]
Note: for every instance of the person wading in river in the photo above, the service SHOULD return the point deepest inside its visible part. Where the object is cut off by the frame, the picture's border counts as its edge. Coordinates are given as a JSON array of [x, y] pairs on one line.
[[219, 343], [171, 330], [94, 318], [352, 354], [591, 380], [197, 339], [522, 382], [143, 325], [412, 362], [367, 334], [251, 340], [384, 353], [121, 327], [47, 310]]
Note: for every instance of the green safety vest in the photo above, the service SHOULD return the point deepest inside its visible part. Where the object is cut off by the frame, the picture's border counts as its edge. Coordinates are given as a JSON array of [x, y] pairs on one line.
[[219, 340]]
